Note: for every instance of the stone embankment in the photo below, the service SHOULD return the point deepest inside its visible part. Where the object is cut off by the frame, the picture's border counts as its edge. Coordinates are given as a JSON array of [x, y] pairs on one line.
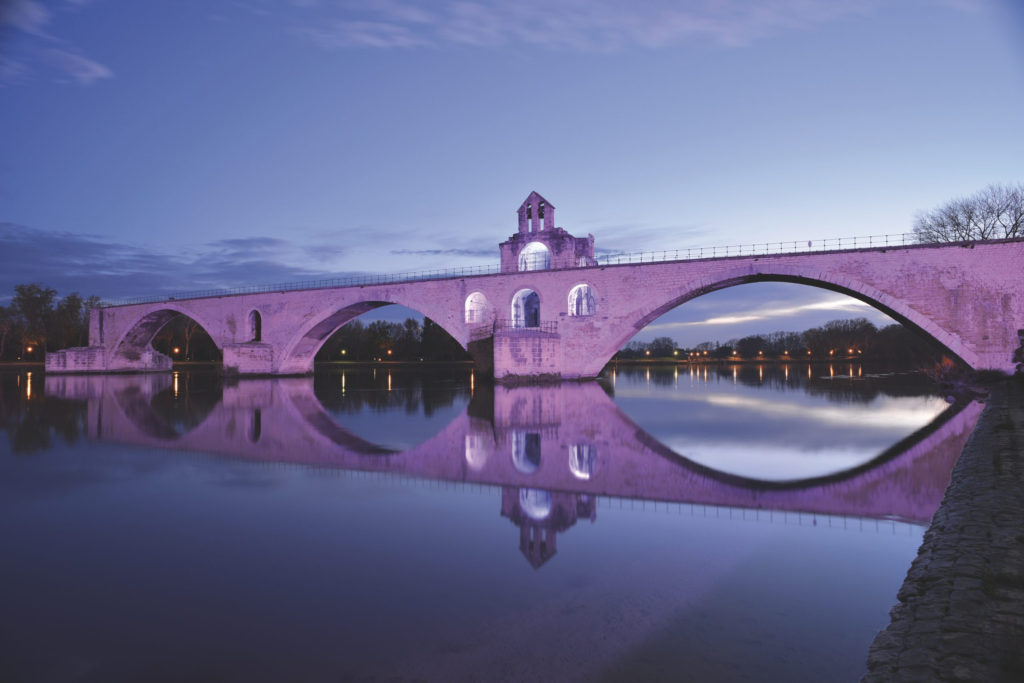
[[960, 615]]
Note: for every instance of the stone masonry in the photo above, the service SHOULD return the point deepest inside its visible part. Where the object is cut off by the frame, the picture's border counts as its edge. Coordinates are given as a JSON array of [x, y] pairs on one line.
[[968, 297], [960, 615]]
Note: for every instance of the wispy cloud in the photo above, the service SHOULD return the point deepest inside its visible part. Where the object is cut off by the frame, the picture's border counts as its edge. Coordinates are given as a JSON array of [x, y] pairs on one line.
[[41, 48], [588, 25], [94, 265], [482, 253], [838, 303]]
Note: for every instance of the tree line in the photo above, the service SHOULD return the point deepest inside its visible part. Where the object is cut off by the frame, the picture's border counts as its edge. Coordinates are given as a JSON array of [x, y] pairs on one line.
[[39, 320], [406, 341], [835, 339]]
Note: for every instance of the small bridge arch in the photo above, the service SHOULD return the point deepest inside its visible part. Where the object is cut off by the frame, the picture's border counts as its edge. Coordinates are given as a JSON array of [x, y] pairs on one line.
[[298, 353], [136, 342]]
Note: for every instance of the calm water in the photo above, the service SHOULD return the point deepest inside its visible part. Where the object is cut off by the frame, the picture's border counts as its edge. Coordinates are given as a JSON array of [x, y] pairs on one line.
[[407, 524]]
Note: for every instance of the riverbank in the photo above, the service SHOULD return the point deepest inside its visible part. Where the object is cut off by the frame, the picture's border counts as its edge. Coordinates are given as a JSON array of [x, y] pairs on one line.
[[960, 615]]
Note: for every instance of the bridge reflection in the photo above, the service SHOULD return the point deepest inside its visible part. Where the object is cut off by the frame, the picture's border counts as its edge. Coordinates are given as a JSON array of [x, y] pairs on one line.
[[553, 450]]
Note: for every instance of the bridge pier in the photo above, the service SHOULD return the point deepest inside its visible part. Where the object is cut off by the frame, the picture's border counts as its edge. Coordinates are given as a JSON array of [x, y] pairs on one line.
[[88, 359]]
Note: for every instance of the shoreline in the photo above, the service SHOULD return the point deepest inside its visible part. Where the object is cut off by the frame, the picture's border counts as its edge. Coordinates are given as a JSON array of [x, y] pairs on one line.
[[960, 615]]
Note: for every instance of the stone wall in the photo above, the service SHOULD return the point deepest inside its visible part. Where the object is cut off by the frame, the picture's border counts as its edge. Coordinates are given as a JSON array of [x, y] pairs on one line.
[[960, 615]]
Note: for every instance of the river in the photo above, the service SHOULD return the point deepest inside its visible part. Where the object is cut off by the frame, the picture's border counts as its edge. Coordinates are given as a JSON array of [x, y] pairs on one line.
[[414, 523]]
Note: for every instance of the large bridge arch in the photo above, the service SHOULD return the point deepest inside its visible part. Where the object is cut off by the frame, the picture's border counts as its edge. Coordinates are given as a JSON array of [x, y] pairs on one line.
[[298, 353], [897, 309], [138, 335]]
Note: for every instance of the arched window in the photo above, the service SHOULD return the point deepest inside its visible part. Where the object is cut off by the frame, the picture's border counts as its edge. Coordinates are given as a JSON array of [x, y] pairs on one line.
[[583, 460], [581, 301], [526, 309], [535, 503], [476, 308], [256, 326], [526, 451], [534, 256], [255, 426]]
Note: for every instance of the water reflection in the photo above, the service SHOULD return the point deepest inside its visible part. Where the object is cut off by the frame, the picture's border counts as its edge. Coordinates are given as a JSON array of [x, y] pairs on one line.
[[552, 449], [439, 531]]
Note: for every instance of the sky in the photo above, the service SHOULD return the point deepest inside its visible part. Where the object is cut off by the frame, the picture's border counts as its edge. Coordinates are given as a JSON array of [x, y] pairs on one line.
[[152, 148]]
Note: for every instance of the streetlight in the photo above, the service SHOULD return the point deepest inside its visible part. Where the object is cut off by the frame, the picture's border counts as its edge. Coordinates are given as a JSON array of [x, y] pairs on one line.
[[29, 349], [648, 353], [831, 352], [343, 352], [389, 352], [675, 353], [176, 349]]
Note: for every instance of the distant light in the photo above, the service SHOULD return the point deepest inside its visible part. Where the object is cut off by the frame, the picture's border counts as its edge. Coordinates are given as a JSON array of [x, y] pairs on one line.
[[705, 353], [859, 351], [389, 352], [808, 353], [648, 353], [734, 353], [831, 352], [343, 352], [176, 349], [675, 353], [760, 353], [850, 350], [29, 349], [786, 352]]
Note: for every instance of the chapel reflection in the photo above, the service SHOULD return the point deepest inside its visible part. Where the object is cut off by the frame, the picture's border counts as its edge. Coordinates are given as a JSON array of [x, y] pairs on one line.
[[541, 515]]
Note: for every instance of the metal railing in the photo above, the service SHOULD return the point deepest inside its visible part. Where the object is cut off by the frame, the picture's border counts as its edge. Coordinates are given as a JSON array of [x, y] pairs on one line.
[[688, 254], [505, 325], [762, 249]]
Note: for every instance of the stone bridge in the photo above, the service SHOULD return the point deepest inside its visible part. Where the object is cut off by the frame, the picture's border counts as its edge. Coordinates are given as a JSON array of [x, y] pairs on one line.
[[553, 309], [570, 439]]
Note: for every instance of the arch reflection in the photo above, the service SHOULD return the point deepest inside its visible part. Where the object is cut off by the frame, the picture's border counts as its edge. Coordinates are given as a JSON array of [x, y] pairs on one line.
[[504, 437]]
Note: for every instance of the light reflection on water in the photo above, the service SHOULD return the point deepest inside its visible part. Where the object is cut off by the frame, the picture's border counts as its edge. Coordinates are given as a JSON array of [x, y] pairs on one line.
[[795, 430], [735, 523]]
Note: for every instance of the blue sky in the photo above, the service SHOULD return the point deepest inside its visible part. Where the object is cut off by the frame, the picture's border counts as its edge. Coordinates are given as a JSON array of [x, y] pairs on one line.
[[150, 147]]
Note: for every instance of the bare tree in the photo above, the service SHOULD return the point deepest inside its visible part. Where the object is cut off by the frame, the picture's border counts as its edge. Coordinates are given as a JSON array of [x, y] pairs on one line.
[[996, 212], [189, 329]]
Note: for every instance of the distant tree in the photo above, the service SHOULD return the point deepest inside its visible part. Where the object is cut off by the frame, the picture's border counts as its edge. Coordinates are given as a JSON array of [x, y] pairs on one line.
[[995, 212], [661, 347], [8, 326], [67, 322], [635, 349], [439, 345], [751, 346], [33, 304]]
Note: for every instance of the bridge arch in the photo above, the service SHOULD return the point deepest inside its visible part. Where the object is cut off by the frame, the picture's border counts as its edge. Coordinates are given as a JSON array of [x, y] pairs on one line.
[[298, 354], [768, 272], [139, 334]]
